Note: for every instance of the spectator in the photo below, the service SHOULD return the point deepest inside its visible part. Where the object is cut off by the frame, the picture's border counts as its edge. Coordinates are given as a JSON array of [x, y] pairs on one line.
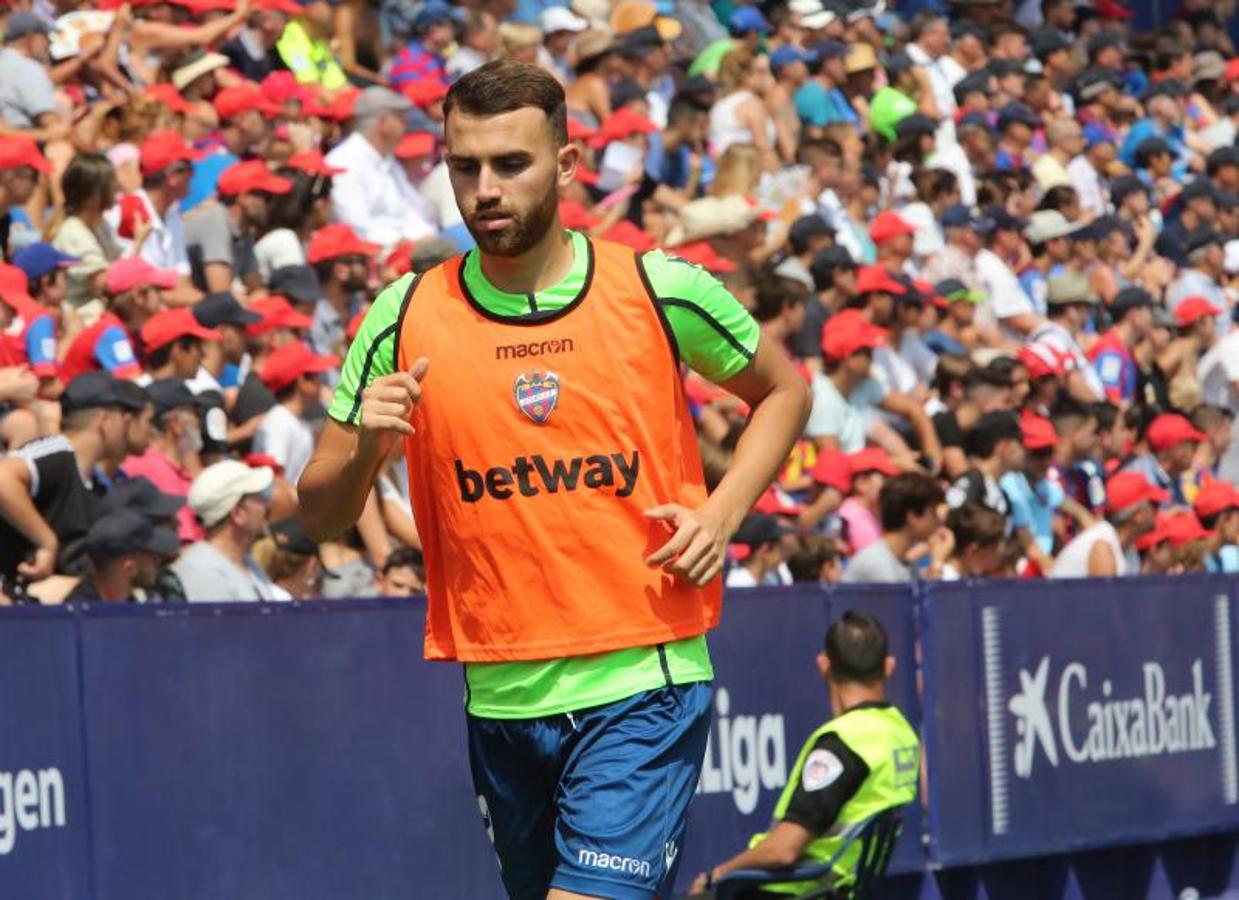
[[1107, 548], [423, 58], [291, 373], [293, 564], [222, 360], [342, 263], [21, 164], [373, 196], [304, 47], [977, 537], [1217, 505], [231, 501], [172, 342], [909, 509], [761, 539], [1132, 312], [27, 96], [1070, 304], [48, 487], [172, 458], [403, 574], [126, 553], [253, 51], [220, 236], [840, 778], [132, 290], [869, 469], [89, 186], [1172, 443]]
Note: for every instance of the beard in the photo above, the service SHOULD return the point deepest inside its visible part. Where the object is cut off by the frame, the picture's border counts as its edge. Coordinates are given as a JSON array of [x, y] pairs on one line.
[[525, 231]]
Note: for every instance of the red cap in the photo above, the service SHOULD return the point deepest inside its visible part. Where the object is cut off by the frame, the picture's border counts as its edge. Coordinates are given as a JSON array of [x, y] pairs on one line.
[[336, 240], [14, 286], [283, 85], [135, 272], [424, 91], [169, 325], [285, 6], [290, 362], [1151, 539], [312, 162], [263, 461], [871, 459], [702, 254], [198, 7], [621, 124], [872, 279], [930, 294], [579, 131], [628, 234], [21, 151], [848, 331], [773, 502], [1041, 361], [585, 175], [164, 148], [1171, 429], [233, 101], [1038, 432], [400, 258], [1232, 69], [354, 325], [574, 215], [251, 175], [1126, 489], [1215, 497], [339, 108], [1193, 308], [415, 144], [832, 469], [1183, 527], [888, 224], [1112, 9], [276, 312], [169, 96]]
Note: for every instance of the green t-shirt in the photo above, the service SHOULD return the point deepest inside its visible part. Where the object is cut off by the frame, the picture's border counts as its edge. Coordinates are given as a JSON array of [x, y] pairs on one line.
[[715, 335]]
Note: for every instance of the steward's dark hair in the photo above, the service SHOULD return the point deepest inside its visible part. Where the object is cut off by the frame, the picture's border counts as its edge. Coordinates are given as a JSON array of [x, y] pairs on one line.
[[856, 648], [506, 85]]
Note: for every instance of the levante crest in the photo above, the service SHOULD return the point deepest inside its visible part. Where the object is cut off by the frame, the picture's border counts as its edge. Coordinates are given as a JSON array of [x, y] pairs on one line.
[[536, 394]]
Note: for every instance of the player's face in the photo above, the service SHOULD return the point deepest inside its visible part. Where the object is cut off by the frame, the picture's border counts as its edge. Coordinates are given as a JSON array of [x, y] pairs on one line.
[[507, 173]]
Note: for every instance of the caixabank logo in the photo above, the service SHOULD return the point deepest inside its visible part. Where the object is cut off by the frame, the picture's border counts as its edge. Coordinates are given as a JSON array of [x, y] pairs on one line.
[[1062, 712]]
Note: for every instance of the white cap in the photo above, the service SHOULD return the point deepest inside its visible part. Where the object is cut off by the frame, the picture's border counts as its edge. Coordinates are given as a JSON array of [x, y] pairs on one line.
[[220, 487], [1232, 256], [817, 21], [560, 18], [1047, 224]]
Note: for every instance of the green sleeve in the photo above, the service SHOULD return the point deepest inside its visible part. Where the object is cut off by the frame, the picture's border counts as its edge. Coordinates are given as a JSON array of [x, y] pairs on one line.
[[372, 353], [715, 334]]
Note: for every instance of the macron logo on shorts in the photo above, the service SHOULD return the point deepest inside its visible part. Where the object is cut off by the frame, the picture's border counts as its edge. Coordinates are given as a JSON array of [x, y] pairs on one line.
[[533, 475], [626, 864]]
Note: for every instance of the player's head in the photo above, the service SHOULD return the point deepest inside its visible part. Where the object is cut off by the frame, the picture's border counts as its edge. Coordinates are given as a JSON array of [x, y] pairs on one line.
[[855, 652], [508, 153]]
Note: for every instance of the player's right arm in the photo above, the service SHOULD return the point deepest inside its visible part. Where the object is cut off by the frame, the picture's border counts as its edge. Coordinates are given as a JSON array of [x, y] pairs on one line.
[[369, 413]]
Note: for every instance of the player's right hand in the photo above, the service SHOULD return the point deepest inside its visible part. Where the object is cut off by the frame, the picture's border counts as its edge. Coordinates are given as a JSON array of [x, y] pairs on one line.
[[387, 402]]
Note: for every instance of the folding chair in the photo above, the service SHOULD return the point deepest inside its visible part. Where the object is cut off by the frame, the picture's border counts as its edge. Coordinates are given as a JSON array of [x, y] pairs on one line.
[[876, 836]]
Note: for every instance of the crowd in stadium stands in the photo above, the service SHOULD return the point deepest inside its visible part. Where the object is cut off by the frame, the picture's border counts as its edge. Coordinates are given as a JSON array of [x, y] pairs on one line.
[[1000, 238]]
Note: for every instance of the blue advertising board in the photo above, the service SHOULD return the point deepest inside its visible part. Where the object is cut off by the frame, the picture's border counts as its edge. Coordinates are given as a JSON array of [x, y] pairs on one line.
[[1079, 713], [43, 798]]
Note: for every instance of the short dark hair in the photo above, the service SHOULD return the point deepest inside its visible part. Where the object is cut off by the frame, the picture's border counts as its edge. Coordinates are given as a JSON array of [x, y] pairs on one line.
[[776, 293], [906, 493], [506, 85], [402, 557], [811, 148], [1207, 416], [856, 648], [975, 525]]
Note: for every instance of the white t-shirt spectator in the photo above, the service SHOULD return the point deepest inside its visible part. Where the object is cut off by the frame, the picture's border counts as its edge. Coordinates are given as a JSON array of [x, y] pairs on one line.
[[285, 438], [164, 247], [1086, 181], [374, 197], [277, 249], [1218, 371], [842, 418], [876, 563]]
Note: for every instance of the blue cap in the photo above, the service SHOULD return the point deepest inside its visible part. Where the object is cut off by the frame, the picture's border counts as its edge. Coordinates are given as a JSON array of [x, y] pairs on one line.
[[960, 216], [436, 13], [786, 55], [746, 19], [40, 258], [1095, 133]]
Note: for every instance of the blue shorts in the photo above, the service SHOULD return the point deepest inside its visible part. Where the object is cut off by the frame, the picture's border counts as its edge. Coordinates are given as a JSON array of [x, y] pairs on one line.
[[592, 802]]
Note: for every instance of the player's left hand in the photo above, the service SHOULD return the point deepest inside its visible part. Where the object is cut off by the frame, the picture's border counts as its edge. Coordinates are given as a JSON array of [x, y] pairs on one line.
[[700, 883], [698, 548]]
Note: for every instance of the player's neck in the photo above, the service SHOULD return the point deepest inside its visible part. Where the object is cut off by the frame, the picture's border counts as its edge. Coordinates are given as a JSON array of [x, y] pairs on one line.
[[543, 266]]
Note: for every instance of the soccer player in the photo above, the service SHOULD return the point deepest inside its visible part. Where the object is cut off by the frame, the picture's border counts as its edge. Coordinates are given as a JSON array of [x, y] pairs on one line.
[[572, 552]]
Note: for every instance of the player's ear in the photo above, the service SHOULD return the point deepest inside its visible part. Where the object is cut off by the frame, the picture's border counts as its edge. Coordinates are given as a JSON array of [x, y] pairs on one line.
[[823, 665], [567, 159], [889, 666]]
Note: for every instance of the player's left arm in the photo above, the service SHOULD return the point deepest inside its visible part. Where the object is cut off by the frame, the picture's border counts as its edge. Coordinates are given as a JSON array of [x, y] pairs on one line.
[[761, 375]]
